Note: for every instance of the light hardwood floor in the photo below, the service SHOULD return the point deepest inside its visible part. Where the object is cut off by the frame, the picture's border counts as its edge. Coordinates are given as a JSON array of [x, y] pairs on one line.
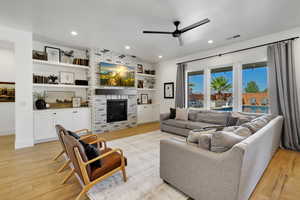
[[31, 173]]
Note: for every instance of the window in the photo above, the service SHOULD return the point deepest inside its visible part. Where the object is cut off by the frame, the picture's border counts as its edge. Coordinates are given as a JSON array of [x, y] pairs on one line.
[[255, 88], [221, 89], [195, 89]]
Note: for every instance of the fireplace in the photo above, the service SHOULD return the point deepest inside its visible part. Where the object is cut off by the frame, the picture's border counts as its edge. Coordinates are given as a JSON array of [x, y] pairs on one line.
[[116, 110]]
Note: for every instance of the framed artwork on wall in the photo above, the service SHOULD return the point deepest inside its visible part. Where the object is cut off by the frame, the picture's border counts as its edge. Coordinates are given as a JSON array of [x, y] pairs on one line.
[[67, 78], [144, 98], [169, 90], [7, 92], [53, 54]]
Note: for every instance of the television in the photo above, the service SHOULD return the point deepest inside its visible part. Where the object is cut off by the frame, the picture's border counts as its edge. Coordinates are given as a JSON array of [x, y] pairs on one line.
[[116, 75]]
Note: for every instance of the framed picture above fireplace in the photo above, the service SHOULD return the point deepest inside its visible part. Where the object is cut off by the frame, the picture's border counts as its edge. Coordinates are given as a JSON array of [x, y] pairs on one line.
[[144, 98], [116, 75]]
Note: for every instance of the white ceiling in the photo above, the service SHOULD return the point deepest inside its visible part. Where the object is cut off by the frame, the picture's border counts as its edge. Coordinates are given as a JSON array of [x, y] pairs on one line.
[[112, 24]]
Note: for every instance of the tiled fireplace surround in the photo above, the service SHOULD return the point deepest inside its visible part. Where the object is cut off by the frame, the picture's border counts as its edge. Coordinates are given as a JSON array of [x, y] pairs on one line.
[[100, 106]]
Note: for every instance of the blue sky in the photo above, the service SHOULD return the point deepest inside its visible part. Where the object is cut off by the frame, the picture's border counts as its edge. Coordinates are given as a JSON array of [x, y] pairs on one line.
[[259, 75]]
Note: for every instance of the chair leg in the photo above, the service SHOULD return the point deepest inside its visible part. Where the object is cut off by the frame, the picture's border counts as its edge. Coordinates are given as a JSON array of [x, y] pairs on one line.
[[68, 176], [124, 174], [64, 166], [58, 155], [83, 191]]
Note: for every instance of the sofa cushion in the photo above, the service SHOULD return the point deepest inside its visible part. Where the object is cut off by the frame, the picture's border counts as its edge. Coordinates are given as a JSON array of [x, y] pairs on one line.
[[181, 114], [222, 141], [176, 123], [199, 125], [231, 121], [255, 124], [213, 117]]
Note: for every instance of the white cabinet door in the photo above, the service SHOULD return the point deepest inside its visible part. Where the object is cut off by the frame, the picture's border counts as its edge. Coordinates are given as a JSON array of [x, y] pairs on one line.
[[81, 119], [44, 126], [64, 118]]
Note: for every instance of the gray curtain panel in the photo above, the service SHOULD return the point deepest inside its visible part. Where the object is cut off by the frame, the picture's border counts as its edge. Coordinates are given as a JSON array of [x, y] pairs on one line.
[[180, 86], [283, 91]]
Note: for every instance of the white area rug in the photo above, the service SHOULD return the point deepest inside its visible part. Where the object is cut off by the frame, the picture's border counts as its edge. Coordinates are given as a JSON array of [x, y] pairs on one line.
[[142, 152]]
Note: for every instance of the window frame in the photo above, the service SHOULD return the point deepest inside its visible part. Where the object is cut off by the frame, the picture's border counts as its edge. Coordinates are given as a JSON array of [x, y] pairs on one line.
[[237, 81], [198, 72]]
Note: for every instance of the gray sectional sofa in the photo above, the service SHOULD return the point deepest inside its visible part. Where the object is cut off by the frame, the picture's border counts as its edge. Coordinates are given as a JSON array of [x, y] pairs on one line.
[[231, 175], [196, 120]]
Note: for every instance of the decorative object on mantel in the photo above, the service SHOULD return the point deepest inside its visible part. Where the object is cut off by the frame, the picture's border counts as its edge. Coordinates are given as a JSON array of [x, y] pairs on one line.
[[140, 84], [144, 98], [152, 72], [169, 90], [40, 102], [66, 78], [67, 56], [140, 68], [76, 101], [53, 54], [147, 71], [39, 55], [7, 92]]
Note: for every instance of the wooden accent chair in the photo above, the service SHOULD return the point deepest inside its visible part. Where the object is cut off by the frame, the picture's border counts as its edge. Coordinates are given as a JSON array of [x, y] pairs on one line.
[[88, 138], [112, 161]]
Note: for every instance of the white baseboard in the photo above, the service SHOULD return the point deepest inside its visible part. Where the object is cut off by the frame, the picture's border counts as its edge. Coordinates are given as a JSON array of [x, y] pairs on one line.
[[9, 132], [24, 144]]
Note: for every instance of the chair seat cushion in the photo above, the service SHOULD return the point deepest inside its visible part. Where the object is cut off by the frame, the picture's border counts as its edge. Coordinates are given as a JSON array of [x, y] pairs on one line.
[[176, 123], [108, 163], [199, 125]]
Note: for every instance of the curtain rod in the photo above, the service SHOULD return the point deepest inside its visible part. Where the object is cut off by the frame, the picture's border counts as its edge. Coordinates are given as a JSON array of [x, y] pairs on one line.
[[230, 52]]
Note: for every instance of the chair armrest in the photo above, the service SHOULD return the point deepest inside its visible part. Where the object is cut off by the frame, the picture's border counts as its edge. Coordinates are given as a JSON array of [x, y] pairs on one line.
[[86, 131], [164, 116], [104, 155], [94, 139]]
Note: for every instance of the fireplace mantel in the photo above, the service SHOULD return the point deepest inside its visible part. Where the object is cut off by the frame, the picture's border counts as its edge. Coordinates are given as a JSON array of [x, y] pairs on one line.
[[107, 91]]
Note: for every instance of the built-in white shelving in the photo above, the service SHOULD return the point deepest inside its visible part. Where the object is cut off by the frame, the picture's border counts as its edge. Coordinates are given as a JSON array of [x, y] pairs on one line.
[[146, 89], [55, 64], [146, 75], [60, 86]]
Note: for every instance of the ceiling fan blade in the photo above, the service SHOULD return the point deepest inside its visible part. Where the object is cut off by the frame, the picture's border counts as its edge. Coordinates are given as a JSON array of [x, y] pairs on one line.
[[180, 40], [202, 22], [158, 32]]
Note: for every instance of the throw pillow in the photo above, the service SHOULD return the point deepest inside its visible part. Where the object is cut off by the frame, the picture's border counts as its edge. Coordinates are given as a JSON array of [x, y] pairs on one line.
[[239, 130], [222, 141], [255, 124], [75, 135], [231, 121], [243, 117], [194, 135], [193, 115], [182, 114], [205, 141], [172, 113], [91, 153]]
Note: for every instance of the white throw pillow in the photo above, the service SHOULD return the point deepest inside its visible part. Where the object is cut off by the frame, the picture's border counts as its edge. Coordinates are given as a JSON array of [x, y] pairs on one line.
[[182, 114]]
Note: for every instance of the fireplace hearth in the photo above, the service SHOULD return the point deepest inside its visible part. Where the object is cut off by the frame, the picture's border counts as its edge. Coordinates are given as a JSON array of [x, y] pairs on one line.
[[116, 110]]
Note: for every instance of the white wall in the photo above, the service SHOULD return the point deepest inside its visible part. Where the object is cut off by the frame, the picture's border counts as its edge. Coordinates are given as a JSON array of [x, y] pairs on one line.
[[166, 71], [22, 42], [7, 109]]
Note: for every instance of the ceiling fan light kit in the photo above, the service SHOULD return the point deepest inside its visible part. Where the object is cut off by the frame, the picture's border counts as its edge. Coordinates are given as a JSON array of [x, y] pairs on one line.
[[177, 33]]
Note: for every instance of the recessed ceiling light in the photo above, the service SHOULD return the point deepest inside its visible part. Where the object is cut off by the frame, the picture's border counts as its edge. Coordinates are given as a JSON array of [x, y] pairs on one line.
[[160, 57], [210, 41], [74, 33], [127, 47]]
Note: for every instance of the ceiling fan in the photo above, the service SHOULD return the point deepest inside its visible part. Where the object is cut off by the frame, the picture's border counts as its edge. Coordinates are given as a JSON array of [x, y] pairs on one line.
[[177, 33]]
